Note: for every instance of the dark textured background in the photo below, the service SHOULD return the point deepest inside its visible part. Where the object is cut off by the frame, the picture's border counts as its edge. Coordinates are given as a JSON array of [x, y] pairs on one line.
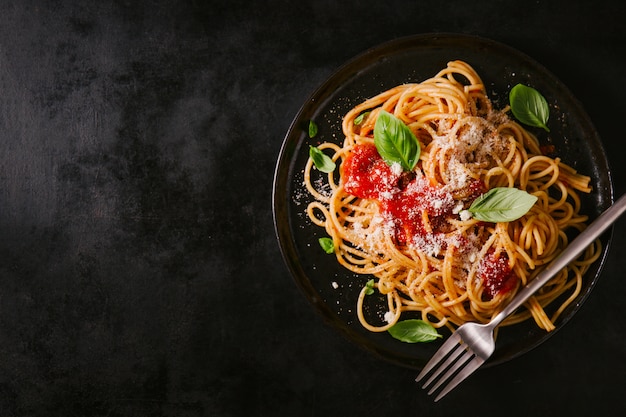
[[139, 270]]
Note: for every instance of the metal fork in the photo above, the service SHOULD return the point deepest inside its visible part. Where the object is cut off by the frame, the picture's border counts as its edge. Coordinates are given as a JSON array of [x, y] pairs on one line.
[[472, 343]]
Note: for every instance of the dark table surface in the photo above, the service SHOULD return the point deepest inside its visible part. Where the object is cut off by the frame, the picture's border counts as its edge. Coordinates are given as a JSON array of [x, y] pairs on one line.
[[139, 269]]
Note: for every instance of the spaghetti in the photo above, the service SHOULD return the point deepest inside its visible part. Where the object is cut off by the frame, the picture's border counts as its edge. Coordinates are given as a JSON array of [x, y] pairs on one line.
[[408, 229]]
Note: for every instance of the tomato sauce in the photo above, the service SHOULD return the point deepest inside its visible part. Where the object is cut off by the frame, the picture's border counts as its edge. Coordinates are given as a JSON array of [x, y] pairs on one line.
[[366, 174], [496, 274]]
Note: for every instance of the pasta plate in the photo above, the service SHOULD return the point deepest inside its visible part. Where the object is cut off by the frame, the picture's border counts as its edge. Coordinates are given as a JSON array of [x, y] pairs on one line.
[[332, 290]]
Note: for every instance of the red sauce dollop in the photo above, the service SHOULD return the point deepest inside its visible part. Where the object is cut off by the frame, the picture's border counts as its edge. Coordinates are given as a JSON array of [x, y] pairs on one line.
[[496, 274], [366, 174]]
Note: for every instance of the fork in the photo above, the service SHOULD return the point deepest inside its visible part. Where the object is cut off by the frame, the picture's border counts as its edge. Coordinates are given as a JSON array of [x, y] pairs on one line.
[[473, 343]]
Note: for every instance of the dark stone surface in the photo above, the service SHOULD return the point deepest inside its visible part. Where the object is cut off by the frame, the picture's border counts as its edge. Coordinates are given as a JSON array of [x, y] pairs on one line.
[[139, 270]]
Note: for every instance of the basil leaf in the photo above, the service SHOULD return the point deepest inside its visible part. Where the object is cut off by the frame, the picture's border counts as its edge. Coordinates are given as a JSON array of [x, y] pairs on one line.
[[502, 204], [312, 129], [414, 331], [369, 287], [322, 161], [327, 244], [529, 106], [361, 117], [395, 142]]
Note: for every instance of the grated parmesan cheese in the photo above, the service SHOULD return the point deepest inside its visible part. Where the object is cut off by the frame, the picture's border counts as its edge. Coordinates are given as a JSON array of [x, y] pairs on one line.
[[474, 144], [396, 169]]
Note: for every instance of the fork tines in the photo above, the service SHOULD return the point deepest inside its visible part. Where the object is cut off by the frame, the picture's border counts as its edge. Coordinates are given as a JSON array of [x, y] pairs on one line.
[[453, 355]]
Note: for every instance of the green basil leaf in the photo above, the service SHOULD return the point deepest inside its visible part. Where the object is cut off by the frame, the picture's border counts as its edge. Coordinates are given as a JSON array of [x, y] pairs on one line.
[[327, 244], [414, 331], [529, 106], [369, 287], [361, 117], [395, 142], [312, 129], [502, 204], [322, 161]]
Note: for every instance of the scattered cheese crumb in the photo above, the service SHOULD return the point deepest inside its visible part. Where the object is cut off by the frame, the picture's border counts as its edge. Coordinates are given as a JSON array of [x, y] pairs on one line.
[[465, 215], [389, 316]]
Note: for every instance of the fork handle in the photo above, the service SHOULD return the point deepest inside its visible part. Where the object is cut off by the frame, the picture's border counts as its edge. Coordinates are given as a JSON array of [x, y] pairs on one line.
[[575, 248]]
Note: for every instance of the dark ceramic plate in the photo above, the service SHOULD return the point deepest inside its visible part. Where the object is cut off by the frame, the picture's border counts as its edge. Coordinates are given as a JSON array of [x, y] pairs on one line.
[[415, 59]]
